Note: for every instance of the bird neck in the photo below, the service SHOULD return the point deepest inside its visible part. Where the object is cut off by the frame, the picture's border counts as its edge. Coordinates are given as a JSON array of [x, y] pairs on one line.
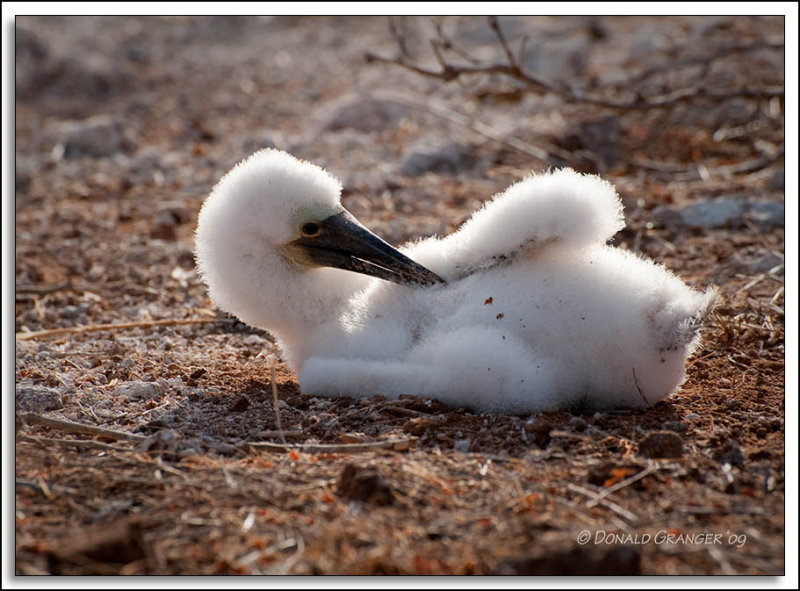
[[300, 308]]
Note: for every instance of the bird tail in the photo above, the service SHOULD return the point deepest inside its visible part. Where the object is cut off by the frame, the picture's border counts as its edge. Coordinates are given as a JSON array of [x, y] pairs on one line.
[[687, 331]]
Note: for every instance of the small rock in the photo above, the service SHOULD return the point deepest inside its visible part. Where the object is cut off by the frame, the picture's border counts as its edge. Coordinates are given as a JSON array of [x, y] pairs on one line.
[[22, 178], [138, 390], [419, 425], [778, 180], [145, 167], [767, 214], [598, 136], [582, 561], [578, 423], [100, 549], [729, 453], [661, 444], [69, 312], [239, 404], [462, 445], [167, 219], [760, 454], [225, 449], [97, 136], [758, 264], [366, 485], [723, 212], [197, 374], [448, 158], [540, 430], [163, 230], [151, 426], [254, 339], [35, 398], [677, 426], [162, 440], [364, 114]]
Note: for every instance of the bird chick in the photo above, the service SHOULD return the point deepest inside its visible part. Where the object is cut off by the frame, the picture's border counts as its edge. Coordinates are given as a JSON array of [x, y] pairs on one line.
[[525, 308]]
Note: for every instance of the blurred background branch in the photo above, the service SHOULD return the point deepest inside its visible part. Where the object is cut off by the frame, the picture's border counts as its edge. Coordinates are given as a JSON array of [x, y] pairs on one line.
[[623, 96], [701, 73]]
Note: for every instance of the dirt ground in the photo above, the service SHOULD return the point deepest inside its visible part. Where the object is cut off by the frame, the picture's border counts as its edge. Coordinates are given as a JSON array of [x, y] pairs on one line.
[[189, 474]]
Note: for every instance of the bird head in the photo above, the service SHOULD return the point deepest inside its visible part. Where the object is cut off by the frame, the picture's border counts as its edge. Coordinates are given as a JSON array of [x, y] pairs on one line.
[[273, 201]]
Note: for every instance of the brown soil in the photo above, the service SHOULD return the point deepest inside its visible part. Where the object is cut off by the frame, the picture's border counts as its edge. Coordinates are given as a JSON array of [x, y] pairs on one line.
[[108, 239]]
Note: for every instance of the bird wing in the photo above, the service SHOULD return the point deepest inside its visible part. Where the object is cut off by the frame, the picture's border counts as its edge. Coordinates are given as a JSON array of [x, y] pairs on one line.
[[562, 206]]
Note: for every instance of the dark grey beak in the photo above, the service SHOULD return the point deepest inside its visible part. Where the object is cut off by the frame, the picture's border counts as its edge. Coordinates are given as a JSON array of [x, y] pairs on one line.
[[341, 241]]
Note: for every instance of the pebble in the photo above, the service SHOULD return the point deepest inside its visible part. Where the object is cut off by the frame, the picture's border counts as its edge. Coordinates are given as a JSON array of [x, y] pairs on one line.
[[661, 444], [540, 430], [778, 180], [363, 114], [70, 312], [239, 404], [677, 426], [364, 484], [254, 340], [138, 390], [723, 212], [448, 158], [580, 560], [759, 264], [419, 425], [578, 423], [599, 136], [145, 167], [96, 136], [462, 445], [37, 398], [729, 453]]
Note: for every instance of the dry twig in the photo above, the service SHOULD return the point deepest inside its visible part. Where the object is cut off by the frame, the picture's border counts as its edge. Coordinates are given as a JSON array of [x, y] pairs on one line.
[[620, 485], [47, 441], [73, 427], [397, 444], [621, 511], [636, 99], [53, 332]]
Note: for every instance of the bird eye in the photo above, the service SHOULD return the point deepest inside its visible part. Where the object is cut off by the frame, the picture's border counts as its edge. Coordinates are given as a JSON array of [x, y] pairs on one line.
[[310, 229]]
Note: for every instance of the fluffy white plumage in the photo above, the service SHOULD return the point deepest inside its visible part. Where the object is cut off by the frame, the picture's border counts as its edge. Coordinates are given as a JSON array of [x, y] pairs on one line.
[[537, 312]]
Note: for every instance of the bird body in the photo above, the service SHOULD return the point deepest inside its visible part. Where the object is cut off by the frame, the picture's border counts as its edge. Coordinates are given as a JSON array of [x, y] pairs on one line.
[[526, 308]]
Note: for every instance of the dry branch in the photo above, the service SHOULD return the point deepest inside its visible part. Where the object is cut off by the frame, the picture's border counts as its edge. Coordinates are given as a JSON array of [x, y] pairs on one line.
[[73, 427], [48, 441], [397, 444], [52, 332], [620, 485], [636, 98], [630, 517]]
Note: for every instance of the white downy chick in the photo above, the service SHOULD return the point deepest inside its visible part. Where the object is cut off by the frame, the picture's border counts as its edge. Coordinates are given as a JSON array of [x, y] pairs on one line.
[[537, 312]]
